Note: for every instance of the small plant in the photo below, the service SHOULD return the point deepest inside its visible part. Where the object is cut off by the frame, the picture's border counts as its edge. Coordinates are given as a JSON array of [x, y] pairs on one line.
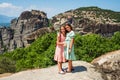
[[7, 65]]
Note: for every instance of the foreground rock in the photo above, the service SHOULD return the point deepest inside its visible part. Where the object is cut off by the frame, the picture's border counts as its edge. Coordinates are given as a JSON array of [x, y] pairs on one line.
[[109, 65], [83, 71]]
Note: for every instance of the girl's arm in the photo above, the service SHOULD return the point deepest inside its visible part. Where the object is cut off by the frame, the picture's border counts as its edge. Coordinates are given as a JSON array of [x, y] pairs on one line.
[[58, 40], [72, 40], [60, 43], [71, 43]]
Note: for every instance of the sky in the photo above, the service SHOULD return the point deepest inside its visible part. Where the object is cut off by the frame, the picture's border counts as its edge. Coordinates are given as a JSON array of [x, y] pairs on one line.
[[13, 8]]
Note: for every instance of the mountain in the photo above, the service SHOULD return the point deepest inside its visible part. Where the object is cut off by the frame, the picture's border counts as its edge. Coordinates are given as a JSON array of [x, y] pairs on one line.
[[89, 20], [27, 27], [5, 19], [104, 15], [16, 36], [93, 13]]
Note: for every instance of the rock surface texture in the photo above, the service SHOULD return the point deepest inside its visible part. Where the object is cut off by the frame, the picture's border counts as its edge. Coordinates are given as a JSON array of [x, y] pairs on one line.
[[27, 24], [89, 20], [82, 71], [109, 65]]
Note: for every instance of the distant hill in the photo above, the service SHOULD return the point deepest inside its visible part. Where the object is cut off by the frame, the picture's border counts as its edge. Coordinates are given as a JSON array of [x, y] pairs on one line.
[[93, 13], [5, 19], [4, 24], [89, 20], [96, 12]]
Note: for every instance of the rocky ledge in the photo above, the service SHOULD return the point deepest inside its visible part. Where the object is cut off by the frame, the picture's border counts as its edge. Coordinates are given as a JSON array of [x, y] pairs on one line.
[[109, 65], [83, 71], [105, 67]]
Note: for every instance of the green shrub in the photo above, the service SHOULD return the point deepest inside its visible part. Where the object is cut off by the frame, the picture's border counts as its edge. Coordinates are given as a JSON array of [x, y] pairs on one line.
[[90, 46], [6, 65], [116, 38], [41, 52]]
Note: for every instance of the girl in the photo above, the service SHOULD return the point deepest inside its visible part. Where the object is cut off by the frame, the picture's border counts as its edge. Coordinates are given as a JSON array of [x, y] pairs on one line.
[[69, 48], [59, 52]]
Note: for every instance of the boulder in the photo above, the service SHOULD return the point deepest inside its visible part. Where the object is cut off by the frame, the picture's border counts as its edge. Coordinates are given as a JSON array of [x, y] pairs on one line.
[[109, 65]]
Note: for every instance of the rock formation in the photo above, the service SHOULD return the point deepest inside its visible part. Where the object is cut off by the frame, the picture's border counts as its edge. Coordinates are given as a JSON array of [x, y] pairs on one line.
[[109, 65], [26, 24], [84, 20], [6, 34], [89, 20]]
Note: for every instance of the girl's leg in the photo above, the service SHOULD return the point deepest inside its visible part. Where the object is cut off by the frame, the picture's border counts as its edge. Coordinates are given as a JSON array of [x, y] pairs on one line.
[[69, 65], [59, 66]]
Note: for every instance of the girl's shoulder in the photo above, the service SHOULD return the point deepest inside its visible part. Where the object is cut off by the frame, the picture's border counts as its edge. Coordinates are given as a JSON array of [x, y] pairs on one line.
[[72, 32], [58, 34]]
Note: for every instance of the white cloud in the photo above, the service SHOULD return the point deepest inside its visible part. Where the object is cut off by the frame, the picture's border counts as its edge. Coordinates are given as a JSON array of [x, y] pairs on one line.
[[9, 9], [7, 5]]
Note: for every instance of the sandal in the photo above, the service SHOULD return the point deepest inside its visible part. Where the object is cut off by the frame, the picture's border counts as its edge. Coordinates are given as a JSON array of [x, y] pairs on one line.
[[61, 72], [71, 69], [67, 71]]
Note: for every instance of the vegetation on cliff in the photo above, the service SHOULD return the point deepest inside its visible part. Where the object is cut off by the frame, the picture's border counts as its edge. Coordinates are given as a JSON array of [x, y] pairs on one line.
[[41, 52], [100, 12], [93, 12]]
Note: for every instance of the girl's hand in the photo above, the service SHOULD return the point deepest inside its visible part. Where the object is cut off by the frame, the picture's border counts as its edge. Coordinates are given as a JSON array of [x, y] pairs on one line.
[[69, 51], [64, 44]]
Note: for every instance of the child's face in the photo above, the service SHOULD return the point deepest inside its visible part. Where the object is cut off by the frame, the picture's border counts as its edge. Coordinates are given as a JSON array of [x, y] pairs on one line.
[[62, 29], [68, 28]]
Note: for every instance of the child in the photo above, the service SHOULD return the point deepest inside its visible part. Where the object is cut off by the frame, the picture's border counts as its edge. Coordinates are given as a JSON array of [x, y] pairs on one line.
[[69, 48], [59, 52]]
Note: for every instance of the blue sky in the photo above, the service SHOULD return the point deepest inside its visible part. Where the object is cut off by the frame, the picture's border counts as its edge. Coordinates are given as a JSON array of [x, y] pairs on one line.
[[53, 7]]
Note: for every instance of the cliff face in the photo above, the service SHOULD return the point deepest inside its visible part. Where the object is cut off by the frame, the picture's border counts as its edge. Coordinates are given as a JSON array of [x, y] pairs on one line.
[[90, 20], [6, 35], [27, 23]]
